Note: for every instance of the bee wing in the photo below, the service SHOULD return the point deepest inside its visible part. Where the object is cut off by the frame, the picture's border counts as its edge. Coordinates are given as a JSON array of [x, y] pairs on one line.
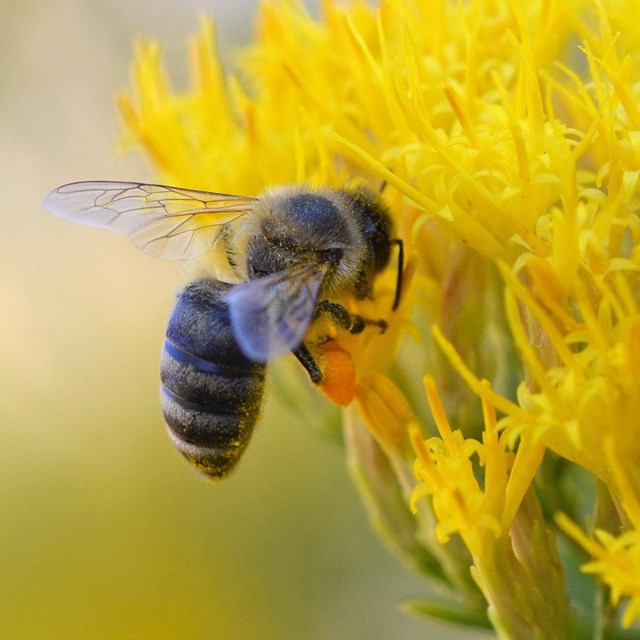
[[271, 315], [166, 222]]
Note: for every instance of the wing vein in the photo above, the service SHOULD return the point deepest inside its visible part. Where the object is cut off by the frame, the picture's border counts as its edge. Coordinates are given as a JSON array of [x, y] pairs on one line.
[[168, 222]]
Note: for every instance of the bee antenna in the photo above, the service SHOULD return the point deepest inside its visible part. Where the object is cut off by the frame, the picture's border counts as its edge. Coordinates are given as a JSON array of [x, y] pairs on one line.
[[396, 299]]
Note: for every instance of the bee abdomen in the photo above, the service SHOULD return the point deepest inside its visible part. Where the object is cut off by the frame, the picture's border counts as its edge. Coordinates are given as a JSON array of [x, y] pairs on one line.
[[211, 392]]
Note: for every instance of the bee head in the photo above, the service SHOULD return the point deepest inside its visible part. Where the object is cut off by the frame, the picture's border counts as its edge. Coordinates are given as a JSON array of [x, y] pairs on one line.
[[376, 230]]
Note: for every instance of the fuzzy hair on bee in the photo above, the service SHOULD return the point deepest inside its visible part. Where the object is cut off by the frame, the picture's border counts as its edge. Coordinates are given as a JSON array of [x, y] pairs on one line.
[[296, 251]]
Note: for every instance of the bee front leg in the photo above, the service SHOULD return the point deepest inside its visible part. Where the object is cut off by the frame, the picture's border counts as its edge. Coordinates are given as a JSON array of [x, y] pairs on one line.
[[351, 322], [307, 361]]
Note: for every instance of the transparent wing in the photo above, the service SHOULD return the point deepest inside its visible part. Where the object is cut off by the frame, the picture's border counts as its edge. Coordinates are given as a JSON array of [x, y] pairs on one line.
[[166, 222], [271, 315]]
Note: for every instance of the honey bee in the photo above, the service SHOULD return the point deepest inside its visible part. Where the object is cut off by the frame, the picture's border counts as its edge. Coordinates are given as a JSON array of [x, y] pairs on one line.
[[293, 251]]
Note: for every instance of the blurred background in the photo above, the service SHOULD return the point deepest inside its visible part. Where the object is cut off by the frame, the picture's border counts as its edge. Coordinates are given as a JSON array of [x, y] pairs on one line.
[[106, 532]]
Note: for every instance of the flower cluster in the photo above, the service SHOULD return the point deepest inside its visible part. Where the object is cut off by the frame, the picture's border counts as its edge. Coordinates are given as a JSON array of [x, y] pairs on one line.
[[507, 134]]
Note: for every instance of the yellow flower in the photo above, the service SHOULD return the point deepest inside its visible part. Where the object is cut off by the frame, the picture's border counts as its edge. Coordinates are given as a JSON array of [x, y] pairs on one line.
[[445, 470], [616, 559], [489, 520], [507, 133]]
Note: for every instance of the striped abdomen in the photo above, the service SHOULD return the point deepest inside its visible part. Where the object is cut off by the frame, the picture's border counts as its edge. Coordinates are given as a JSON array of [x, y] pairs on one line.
[[211, 392]]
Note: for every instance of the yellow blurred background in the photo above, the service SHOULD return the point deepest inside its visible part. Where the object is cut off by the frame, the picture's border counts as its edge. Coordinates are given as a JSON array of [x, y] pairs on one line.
[[106, 532]]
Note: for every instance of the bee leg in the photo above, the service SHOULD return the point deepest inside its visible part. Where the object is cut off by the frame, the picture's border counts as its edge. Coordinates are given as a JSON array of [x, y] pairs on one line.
[[307, 361], [351, 322]]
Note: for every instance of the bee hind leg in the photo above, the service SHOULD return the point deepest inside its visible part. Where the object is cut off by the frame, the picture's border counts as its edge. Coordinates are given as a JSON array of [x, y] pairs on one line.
[[351, 322]]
